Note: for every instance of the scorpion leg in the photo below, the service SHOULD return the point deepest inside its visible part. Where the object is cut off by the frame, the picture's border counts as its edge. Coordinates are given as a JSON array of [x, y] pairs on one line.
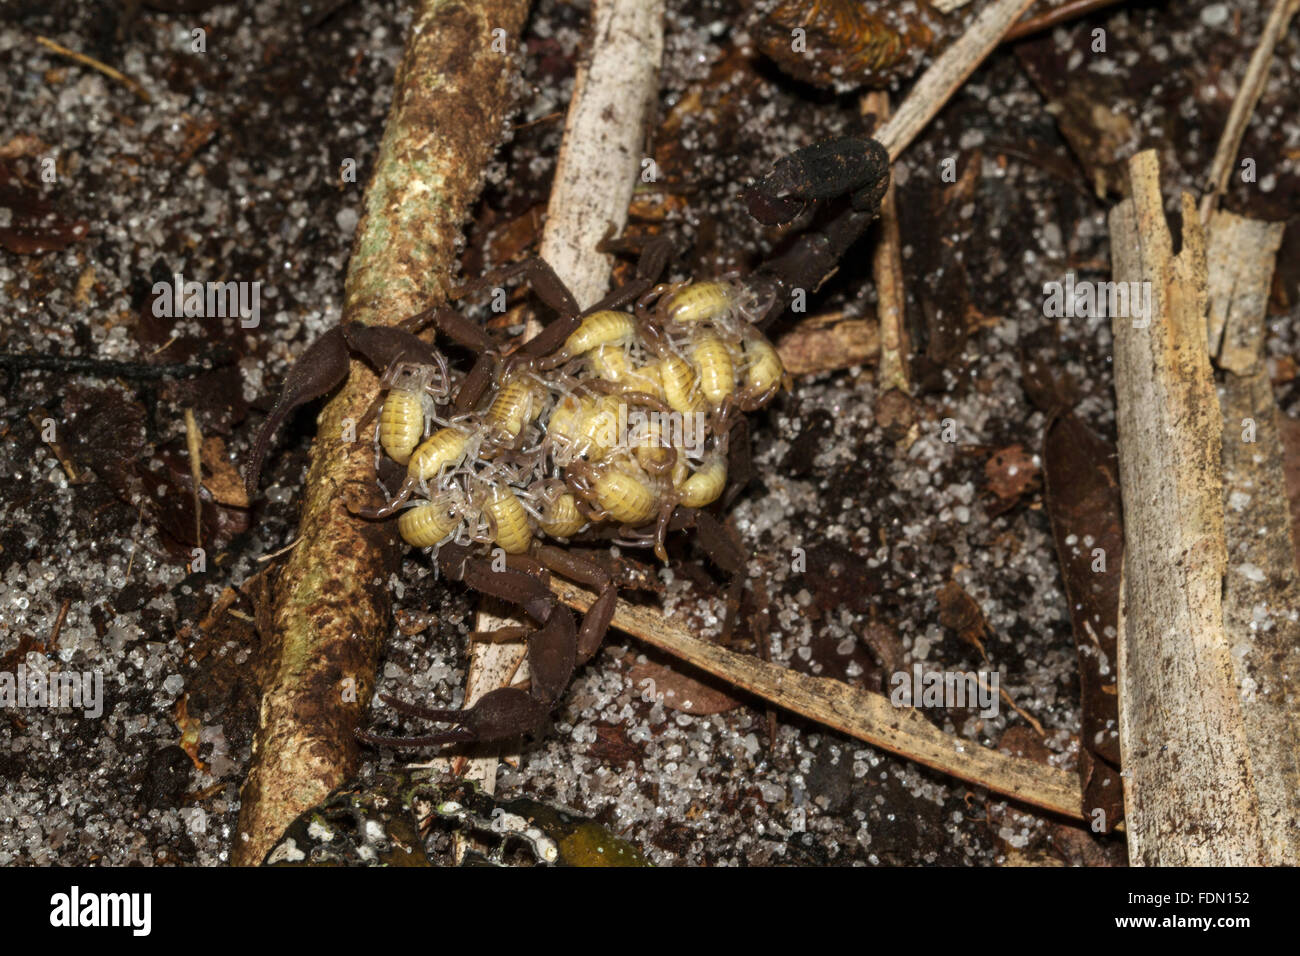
[[740, 461], [541, 278], [475, 384], [596, 621], [552, 649], [498, 715], [716, 539], [318, 370], [468, 334], [325, 365], [384, 346], [451, 323], [653, 259]]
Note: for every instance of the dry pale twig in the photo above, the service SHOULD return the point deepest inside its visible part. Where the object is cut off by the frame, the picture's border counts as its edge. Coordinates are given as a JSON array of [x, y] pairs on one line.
[[1252, 85], [132, 85], [614, 96], [887, 269], [861, 714], [194, 445], [937, 85]]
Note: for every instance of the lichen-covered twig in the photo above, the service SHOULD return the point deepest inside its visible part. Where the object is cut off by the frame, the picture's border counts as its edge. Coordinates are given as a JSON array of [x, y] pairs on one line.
[[451, 98]]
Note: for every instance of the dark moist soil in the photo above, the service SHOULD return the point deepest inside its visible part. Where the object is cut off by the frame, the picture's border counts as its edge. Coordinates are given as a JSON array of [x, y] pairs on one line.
[[231, 173]]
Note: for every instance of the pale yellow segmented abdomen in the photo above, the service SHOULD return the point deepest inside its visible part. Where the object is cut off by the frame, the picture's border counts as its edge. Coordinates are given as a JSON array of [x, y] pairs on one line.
[[562, 519], [444, 447], [427, 524], [681, 385], [600, 328], [515, 404], [706, 485], [565, 424], [401, 423], [699, 302], [599, 431], [763, 365], [625, 495], [611, 363], [717, 372], [512, 533]]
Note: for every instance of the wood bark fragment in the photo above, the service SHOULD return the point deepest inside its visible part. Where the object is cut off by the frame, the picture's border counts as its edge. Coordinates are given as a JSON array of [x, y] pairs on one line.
[[614, 96], [823, 343], [1243, 105], [1188, 787], [1240, 256], [948, 72], [861, 714], [1261, 593], [451, 97]]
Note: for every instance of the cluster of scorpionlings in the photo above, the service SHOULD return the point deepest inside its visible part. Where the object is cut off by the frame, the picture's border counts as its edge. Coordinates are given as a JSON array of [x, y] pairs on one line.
[[607, 422], [627, 420]]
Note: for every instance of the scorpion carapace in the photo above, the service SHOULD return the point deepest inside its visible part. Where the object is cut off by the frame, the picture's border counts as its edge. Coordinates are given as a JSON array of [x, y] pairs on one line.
[[608, 423]]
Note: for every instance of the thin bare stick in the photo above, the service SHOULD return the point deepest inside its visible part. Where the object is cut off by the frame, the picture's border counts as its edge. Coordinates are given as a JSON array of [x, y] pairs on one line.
[[887, 269], [937, 85], [861, 714], [1252, 85], [94, 64], [1070, 10], [194, 445], [614, 96]]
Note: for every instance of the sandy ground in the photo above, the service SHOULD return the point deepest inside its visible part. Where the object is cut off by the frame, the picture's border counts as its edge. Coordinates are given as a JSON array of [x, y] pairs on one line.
[[230, 172]]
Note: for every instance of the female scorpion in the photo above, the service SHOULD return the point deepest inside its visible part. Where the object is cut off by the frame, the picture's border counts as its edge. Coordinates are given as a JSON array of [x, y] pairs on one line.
[[534, 443]]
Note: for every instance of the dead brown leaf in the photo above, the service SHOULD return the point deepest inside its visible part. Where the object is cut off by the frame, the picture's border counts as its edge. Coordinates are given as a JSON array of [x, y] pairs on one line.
[[678, 692]]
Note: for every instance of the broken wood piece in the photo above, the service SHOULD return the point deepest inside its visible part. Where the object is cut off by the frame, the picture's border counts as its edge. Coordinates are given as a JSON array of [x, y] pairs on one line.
[[452, 94], [1240, 256], [824, 343], [1261, 590], [864, 715], [1189, 792]]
